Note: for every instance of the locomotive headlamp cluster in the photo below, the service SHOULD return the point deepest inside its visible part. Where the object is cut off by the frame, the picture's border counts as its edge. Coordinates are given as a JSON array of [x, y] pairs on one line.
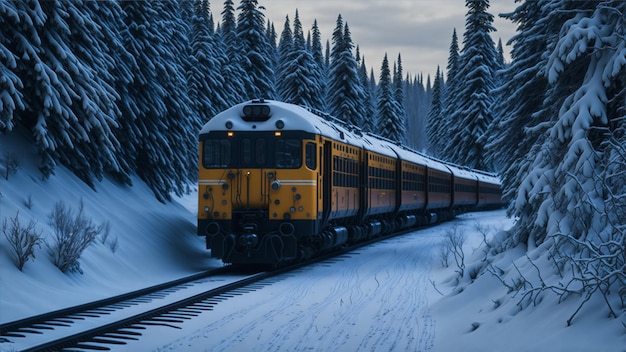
[[256, 112]]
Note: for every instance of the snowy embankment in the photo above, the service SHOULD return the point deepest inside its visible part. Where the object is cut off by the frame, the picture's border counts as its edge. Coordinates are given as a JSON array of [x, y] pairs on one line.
[[155, 242], [385, 297]]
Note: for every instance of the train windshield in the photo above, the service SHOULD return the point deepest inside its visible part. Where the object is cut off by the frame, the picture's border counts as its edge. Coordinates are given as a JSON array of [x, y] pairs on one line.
[[216, 153], [252, 152]]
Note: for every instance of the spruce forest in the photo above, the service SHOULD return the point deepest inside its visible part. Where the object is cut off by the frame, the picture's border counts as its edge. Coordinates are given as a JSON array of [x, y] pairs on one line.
[[121, 88]]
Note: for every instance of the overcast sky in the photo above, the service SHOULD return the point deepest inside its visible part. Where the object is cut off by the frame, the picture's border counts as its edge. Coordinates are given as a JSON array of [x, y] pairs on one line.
[[420, 30]]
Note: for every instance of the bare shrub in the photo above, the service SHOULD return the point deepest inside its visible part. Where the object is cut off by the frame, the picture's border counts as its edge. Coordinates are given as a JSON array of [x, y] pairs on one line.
[[454, 242], [22, 238], [29, 201], [114, 244], [74, 232], [444, 253]]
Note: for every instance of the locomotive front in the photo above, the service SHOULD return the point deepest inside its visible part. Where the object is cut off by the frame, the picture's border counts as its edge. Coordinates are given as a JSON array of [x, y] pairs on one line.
[[257, 185]]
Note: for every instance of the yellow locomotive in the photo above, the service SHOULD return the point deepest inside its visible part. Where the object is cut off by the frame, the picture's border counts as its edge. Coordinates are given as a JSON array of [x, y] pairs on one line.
[[279, 182]]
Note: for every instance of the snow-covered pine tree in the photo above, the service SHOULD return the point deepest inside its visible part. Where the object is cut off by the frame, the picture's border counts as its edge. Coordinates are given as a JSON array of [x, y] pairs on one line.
[[206, 82], [228, 28], [255, 51], [94, 39], [450, 91], [320, 65], [302, 79], [398, 95], [270, 33], [285, 47], [345, 96], [531, 175], [477, 70], [67, 93], [412, 107], [182, 122], [521, 92], [571, 198], [373, 87], [391, 126], [11, 101], [369, 123], [435, 115], [232, 70], [157, 129]]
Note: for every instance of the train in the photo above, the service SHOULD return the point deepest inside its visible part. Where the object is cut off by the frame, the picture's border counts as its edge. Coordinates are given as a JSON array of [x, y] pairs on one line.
[[279, 183]]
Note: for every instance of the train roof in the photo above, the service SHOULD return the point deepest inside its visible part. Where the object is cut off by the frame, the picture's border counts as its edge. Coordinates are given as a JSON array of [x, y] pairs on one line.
[[297, 118], [300, 118]]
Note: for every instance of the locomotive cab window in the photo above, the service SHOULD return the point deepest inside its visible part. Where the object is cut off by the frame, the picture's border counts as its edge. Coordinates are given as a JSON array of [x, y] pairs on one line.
[[216, 153], [253, 152], [288, 153], [311, 156]]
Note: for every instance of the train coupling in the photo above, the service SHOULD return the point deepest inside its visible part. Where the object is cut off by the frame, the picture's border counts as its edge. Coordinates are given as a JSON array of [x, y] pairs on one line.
[[249, 240]]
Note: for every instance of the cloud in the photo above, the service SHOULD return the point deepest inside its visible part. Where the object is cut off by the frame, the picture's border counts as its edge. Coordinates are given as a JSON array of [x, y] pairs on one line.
[[421, 30]]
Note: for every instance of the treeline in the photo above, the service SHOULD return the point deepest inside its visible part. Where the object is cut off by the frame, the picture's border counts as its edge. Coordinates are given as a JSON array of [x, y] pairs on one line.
[[122, 87], [553, 123]]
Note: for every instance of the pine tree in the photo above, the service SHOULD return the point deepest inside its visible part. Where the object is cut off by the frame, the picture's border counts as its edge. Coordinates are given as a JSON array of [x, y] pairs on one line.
[[255, 51], [285, 48], [94, 39], [391, 126], [207, 59], [370, 107], [398, 95], [345, 100], [451, 91], [301, 83], [512, 140], [233, 72], [12, 100], [477, 70], [320, 67], [570, 201], [66, 87], [157, 129], [435, 115]]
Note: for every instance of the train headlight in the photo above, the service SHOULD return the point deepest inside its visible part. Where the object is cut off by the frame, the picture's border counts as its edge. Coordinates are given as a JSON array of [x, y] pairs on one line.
[[229, 124], [256, 113], [280, 124], [276, 185]]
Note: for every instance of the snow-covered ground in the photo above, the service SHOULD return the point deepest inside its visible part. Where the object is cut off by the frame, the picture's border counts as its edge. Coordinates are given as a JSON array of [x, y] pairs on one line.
[[393, 296]]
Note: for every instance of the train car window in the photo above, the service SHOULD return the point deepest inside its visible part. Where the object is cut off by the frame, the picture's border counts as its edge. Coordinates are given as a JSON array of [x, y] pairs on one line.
[[311, 156], [216, 153], [288, 153]]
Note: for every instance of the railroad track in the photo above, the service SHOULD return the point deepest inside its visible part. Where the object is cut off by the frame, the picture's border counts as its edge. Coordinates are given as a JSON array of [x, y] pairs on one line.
[[68, 327], [105, 324]]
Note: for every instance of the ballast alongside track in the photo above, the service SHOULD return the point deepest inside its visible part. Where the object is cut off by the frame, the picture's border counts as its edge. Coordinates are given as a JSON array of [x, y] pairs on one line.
[[104, 324]]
